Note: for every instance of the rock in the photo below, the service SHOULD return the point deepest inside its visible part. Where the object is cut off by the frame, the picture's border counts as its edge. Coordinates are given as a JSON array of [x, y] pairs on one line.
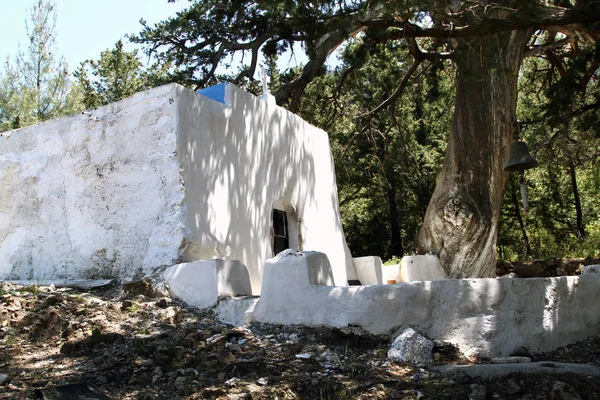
[[181, 382], [591, 269], [226, 357], [303, 356], [411, 348], [3, 379], [419, 376], [127, 304], [252, 388], [147, 396], [329, 359], [142, 287], [232, 382], [478, 392], [54, 299], [163, 302], [173, 315], [239, 396], [262, 381], [157, 374], [562, 391], [511, 387]]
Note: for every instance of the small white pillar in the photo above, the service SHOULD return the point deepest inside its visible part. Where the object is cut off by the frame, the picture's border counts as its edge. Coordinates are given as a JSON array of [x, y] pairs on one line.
[[368, 270], [201, 283], [421, 268]]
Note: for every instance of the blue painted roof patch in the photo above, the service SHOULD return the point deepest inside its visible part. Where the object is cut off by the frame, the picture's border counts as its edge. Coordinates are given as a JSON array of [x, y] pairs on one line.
[[215, 92]]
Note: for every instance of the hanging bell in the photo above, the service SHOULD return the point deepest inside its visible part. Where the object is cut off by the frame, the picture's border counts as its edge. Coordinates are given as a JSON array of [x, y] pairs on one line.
[[519, 158]]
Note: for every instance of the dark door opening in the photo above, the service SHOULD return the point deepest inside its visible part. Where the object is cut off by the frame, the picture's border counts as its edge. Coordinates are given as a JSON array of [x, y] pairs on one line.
[[281, 240]]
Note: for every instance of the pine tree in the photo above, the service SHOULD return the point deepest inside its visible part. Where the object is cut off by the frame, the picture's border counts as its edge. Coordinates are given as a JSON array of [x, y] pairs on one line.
[[36, 86]]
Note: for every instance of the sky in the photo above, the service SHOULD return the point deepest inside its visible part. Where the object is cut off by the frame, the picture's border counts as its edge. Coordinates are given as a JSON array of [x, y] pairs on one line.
[[84, 27]]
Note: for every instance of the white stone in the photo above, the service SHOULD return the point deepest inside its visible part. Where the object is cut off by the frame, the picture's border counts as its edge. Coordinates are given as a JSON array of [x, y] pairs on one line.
[[166, 175], [421, 268], [65, 283], [262, 381], [411, 348], [236, 311], [591, 269], [368, 270], [201, 283]]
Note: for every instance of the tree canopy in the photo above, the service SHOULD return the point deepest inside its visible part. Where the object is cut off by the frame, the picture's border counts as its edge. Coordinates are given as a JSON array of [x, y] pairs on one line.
[[211, 33], [35, 86], [117, 74]]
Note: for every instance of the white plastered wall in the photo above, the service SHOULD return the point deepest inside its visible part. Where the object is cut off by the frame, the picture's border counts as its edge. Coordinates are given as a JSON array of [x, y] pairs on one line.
[[92, 195], [238, 161]]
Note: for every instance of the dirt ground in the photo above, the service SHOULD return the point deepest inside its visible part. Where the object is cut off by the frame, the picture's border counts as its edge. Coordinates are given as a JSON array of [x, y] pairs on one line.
[[136, 346]]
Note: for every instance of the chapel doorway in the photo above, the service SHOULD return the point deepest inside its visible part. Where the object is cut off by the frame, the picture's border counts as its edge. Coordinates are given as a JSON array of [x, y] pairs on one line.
[[281, 240], [285, 229]]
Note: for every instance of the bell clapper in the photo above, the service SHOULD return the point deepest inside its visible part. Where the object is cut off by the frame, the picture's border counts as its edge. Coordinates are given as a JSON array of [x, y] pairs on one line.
[[518, 161], [524, 192]]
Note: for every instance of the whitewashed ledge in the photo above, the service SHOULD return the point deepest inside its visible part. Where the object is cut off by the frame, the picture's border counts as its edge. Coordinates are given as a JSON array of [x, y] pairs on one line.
[[483, 317], [61, 283]]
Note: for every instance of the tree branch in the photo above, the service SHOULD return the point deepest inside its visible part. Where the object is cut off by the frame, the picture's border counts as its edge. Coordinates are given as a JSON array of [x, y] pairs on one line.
[[324, 47], [519, 20], [537, 50], [398, 90]]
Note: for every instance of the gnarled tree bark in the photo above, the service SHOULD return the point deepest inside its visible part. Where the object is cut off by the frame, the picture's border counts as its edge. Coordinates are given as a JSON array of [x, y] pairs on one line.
[[461, 222]]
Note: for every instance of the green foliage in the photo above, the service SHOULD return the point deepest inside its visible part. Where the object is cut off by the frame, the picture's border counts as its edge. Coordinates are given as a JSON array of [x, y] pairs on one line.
[[386, 163], [116, 75], [33, 289], [10, 340], [395, 260], [36, 86], [558, 110]]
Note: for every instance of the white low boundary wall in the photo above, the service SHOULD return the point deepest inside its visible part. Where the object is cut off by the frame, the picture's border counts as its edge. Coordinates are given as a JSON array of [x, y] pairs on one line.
[[484, 317]]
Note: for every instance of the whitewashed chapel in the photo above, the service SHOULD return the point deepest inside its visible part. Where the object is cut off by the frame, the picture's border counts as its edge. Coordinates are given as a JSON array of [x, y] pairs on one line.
[[163, 177]]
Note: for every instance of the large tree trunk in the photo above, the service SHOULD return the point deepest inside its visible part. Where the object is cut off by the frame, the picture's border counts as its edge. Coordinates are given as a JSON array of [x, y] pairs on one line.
[[580, 230], [461, 222], [395, 229]]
